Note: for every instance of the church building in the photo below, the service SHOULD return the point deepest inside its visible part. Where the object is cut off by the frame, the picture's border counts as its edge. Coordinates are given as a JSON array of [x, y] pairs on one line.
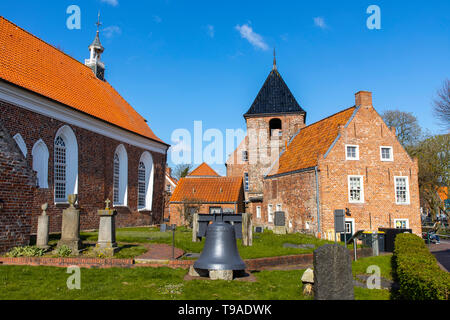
[[350, 160], [76, 134]]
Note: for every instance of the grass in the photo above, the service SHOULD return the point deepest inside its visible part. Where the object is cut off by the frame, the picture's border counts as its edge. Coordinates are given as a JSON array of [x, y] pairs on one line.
[[265, 244], [49, 283], [384, 262]]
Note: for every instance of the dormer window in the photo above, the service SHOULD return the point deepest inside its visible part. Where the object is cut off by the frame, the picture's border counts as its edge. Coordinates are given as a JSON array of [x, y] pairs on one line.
[[351, 152]]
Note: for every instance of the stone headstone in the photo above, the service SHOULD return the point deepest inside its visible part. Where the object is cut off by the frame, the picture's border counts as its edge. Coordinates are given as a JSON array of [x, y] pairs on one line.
[[163, 227], [70, 233], [279, 223], [247, 230], [106, 243], [333, 278], [42, 230], [195, 237]]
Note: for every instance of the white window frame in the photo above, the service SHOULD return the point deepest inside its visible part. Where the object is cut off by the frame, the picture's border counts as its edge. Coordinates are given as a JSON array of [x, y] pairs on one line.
[[270, 213], [71, 166], [245, 156], [40, 156], [407, 223], [21, 144], [123, 177], [147, 160], [362, 188], [278, 207], [258, 212], [391, 153], [346, 152], [407, 190]]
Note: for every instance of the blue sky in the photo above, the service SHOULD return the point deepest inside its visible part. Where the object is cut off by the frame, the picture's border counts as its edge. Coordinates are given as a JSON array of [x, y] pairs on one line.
[[181, 61]]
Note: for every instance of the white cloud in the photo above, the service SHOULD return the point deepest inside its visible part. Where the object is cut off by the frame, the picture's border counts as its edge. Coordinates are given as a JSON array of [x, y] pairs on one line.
[[111, 31], [157, 19], [114, 3], [210, 30], [320, 22], [255, 39]]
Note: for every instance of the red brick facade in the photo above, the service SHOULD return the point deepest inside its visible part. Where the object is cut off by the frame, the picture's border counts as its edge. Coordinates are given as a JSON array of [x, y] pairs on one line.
[[296, 192], [95, 171], [17, 182]]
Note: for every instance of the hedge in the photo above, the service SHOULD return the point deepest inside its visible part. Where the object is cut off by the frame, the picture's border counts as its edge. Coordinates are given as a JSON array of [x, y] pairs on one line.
[[417, 270]]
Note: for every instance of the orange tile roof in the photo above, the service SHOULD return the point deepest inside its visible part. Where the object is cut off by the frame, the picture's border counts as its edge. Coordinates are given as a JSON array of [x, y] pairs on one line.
[[174, 181], [203, 170], [213, 190], [33, 64], [310, 142], [443, 193]]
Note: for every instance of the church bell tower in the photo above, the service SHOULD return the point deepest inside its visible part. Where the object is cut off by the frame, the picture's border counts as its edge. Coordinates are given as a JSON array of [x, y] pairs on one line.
[[96, 49]]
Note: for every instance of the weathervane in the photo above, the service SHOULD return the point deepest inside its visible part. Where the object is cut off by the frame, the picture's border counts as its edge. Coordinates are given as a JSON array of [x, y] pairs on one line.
[[98, 22], [274, 60]]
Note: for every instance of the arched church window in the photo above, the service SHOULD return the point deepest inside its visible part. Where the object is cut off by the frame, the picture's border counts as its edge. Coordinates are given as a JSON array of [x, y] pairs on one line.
[[60, 170], [116, 178], [120, 184], [65, 164], [145, 183], [21, 144], [275, 127], [141, 185], [40, 163]]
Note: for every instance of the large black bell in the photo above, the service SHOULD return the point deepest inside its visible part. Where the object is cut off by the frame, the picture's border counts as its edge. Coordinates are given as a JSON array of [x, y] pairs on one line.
[[220, 251]]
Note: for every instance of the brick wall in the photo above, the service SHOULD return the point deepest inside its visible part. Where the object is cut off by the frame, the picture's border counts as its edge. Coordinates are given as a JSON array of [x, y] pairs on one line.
[[369, 132], [95, 171], [297, 195], [17, 182]]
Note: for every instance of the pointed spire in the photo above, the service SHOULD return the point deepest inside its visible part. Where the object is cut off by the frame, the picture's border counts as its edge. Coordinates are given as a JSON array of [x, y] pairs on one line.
[[98, 22], [274, 60]]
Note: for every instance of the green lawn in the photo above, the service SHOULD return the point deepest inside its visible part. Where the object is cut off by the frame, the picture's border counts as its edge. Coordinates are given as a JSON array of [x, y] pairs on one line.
[[27, 282], [265, 244]]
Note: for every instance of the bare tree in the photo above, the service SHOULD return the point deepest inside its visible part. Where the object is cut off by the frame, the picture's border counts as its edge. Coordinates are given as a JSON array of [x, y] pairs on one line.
[[181, 171], [441, 105], [406, 126]]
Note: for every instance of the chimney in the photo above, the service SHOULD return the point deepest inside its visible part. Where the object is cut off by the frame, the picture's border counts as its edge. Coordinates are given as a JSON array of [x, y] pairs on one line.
[[363, 98]]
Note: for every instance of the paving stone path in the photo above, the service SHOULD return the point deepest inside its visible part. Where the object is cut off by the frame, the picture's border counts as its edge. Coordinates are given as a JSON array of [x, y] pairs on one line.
[[160, 251]]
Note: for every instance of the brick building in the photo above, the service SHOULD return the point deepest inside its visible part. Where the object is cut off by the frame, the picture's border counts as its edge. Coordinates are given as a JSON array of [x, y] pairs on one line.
[[77, 134], [170, 185], [350, 160], [204, 191]]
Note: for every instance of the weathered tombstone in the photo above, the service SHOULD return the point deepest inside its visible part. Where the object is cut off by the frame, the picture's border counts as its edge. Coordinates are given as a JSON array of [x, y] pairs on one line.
[[163, 227], [42, 230], [280, 223], [333, 278], [247, 230], [70, 233], [106, 243], [259, 229], [308, 282], [195, 228], [375, 248]]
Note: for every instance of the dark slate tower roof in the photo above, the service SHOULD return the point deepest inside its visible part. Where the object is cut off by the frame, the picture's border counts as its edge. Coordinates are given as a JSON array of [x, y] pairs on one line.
[[274, 98]]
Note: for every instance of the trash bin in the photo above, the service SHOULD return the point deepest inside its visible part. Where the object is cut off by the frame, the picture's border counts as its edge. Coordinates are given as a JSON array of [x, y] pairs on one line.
[[389, 238], [367, 240]]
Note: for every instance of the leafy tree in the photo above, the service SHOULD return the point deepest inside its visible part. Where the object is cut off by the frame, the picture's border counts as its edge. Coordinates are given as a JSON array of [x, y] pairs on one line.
[[433, 154], [441, 108], [406, 126], [181, 171]]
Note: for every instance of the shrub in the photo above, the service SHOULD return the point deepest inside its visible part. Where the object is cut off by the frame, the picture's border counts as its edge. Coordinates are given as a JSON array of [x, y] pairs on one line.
[[27, 251], [417, 271], [63, 251]]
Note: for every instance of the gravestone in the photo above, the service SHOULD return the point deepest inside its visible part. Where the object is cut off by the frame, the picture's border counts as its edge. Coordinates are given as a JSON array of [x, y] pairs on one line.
[[333, 278], [42, 231], [259, 229], [279, 223], [70, 233], [106, 243], [247, 230], [195, 228]]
